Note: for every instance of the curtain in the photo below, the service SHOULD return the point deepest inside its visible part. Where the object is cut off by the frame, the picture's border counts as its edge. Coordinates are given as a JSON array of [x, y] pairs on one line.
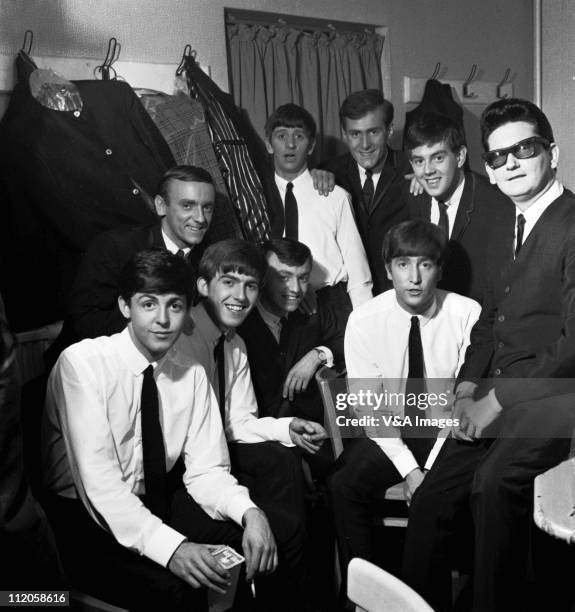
[[271, 65]]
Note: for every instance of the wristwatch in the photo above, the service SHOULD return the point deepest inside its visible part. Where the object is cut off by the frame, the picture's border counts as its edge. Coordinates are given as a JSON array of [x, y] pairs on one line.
[[321, 355]]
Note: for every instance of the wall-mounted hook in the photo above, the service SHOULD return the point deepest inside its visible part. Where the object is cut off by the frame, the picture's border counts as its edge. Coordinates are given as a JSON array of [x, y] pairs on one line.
[[500, 92], [106, 70], [27, 42], [188, 52], [466, 93], [436, 71]]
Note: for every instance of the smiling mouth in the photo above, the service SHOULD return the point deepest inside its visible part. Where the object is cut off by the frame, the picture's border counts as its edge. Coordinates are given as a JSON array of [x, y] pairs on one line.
[[235, 308]]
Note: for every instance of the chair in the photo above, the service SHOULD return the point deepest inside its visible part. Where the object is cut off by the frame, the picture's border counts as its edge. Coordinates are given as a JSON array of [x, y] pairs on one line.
[[325, 377], [554, 501], [372, 589]]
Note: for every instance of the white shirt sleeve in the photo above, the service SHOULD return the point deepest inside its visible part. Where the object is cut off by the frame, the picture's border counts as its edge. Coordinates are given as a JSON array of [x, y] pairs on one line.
[[242, 422], [95, 469], [359, 366], [359, 283]]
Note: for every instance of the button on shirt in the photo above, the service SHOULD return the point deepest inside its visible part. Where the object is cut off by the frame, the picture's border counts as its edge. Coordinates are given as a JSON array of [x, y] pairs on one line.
[[326, 225], [241, 408], [376, 346], [452, 205], [92, 444]]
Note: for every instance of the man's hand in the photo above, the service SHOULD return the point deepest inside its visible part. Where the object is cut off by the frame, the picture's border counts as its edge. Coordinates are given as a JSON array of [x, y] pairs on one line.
[[415, 187], [477, 416], [307, 434], [258, 544], [308, 305], [195, 564], [412, 482], [323, 181], [463, 397], [300, 374]]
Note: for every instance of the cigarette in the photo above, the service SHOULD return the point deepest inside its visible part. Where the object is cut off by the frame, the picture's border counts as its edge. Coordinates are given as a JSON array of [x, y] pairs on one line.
[[253, 588]]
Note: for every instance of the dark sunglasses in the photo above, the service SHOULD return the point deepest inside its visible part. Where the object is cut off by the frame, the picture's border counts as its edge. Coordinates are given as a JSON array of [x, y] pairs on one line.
[[524, 149]]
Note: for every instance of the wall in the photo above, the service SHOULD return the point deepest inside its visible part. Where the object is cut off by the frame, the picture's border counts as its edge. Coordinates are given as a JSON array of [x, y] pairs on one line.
[[457, 33], [558, 83]]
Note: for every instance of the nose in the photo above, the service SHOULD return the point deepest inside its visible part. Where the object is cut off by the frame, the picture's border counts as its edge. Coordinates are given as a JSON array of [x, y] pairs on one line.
[[511, 162], [293, 285], [428, 167], [365, 140], [414, 274], [290, 142], [198, 215], [240, 292], [163, 318]]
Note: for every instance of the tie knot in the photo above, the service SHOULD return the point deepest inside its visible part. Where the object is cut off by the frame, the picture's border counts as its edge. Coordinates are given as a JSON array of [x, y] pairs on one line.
[[289, 186], [181, 254], [414, 321], [368, 172], [149, 371], [520, 220]]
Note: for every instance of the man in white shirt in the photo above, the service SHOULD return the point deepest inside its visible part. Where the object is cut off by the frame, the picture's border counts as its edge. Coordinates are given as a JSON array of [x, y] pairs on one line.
[[261, 449], [516, 384], [384, 338], [463, 204], [340, 272], [135, 460]]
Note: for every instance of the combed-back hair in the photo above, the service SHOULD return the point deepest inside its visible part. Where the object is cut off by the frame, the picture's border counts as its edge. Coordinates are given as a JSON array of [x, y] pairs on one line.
[[509, 110], [290, 252], [415, 238], [188, 174], [158, 272], [239, 256], [291, 116], [432, 128], [359, 103]]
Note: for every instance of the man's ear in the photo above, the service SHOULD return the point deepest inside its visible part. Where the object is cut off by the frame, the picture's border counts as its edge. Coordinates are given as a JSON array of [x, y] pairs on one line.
[[160, 205], [554, 150], [202, 285], [461, 156], [124, 307], [490, 174], [269, 147], [390, 130], [311, 147], [388, 270]]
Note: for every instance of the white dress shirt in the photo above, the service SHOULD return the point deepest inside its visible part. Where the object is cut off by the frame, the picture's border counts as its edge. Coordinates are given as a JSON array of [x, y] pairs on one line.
[[274, 324], [536, 209], [377, 346], [452, 205], [172, 246], [326, 225], [241, 408], [92, 440]]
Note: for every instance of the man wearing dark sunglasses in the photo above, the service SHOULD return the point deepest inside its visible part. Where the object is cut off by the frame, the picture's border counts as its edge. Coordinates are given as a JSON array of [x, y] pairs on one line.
[[515, 396]]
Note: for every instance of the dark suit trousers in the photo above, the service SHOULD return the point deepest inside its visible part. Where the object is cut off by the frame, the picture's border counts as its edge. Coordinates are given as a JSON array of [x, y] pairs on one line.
[[337, 297], [96, 563], [496, 481], [357, 488], [273, 475]]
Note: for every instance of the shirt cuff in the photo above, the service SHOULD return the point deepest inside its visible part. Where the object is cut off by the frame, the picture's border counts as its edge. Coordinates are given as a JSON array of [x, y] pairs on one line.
[[162, 545], [238, 505], [494, 400], [436, 448], [282, 433], [360, 294], [328, 355], [405, 462]]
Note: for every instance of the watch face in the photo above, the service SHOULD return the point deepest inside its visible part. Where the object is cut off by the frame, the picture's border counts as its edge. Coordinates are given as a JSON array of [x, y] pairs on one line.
[[322, 356]]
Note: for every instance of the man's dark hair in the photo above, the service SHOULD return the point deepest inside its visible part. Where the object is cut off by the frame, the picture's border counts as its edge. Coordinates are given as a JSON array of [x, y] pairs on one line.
[[509, 110], [359, 103], [188, 174], [291, 116], [289, 252], [156, 271], [432, 128], [415, 238], [239, 256]]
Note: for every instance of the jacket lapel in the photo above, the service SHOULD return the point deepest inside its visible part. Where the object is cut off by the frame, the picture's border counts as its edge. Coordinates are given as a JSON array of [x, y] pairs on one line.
[[465, 208]]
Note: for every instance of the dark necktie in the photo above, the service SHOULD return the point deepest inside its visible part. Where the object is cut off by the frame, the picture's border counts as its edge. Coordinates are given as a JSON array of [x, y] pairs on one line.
[[220, 359], [415, 383], [520, 230], [368, 190], [181, 254], [443, 219], [291, 214], [154, 454], [284, 334]]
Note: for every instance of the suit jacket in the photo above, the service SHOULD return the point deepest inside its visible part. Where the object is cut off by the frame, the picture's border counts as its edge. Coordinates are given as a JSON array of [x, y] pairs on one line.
[[270, 363], [481, 208], [92, 309], [524, 340], [387, 210]]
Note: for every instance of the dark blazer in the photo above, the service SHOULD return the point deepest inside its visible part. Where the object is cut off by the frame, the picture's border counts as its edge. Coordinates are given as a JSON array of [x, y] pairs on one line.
[[387, 210], [92, 309], [270, 363], [481, 208], [526, 329]]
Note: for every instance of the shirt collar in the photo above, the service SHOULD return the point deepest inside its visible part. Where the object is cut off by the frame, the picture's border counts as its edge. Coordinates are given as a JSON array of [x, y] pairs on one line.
[[210, 331], [269, 317], [304, 177], [455, 196], [362, 174], [172, 246], [425, 317], [538, 207], [131, 355]]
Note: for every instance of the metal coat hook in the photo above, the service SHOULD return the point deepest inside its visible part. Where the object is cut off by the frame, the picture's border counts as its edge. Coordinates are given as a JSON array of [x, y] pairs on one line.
[[188, 52], [27, 42], [436, 71], [112, 54], [505, 80], [466, 93]]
